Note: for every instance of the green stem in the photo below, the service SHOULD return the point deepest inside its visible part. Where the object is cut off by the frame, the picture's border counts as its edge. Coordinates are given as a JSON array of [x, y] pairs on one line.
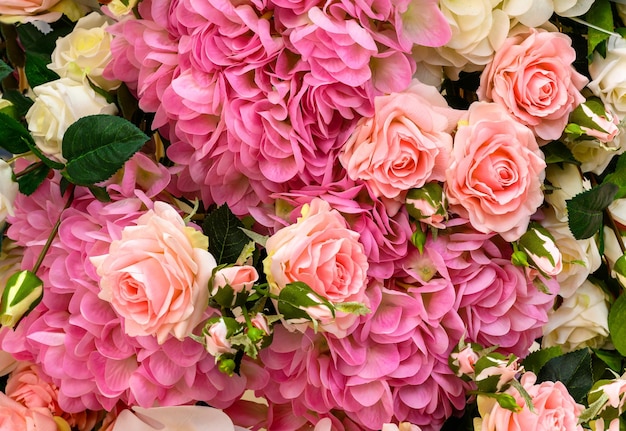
[[54, 231], [30, 168]]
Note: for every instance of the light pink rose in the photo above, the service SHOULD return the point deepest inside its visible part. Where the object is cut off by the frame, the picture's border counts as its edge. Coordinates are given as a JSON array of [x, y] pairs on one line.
[[156, 276], [239, 278], [532, 76], [322, 252], [175, 418], [15, 416], [216, 340], [496, 172], [405, 144], [465, 360], [555, 409], [26, 385]]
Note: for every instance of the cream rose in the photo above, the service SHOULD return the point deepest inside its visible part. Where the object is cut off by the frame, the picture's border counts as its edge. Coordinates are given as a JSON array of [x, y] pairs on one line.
[[496, 172], [119, 8], [608, 80], [568, 182], [58, 104], [580, 321], [156, 276], [322, 252], [85, 52], [580, 257], [8, 191], [531, 75], [541, 10], [405, 145]]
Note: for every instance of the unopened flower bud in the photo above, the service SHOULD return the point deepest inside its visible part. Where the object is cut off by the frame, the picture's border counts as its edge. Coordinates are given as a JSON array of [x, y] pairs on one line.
[[227, 366], [21, 294], [542, 252], [592, 120], [427, 205]]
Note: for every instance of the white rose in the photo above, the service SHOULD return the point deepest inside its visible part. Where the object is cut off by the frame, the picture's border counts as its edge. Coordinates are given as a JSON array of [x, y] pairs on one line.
[[8, 191], [478, 29], [580, 321], [612, 252], [58, 104], [608, 78], [580, 257], [85, 52], [541, 10], [595, 155], [568, 183]]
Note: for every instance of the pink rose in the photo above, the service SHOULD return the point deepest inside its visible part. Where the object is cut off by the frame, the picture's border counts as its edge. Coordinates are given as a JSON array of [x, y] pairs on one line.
[[465, 360], [322, 252], [555, 409], [496, 172], [532, 76], [239, 278], [156, 276], [15, 416], [405, 145]]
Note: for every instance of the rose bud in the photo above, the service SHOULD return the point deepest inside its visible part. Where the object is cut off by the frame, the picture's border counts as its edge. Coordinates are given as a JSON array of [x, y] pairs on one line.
[[542, 252], [21, 294]]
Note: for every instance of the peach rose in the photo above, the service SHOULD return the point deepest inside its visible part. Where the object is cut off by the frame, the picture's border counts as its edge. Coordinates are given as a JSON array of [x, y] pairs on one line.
[[322, 252], [35, 8], [15, 416], [26, 385], [405, 145], [156, 276], [496, 172], [532, 76], [555, 409], [239, 278]]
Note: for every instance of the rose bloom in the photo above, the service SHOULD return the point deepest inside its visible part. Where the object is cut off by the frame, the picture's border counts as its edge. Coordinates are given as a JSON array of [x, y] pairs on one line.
[[531, 75], [580, 321], [118, 9], [555, 409], [187, 418], [216, 340], [59, 104], [608, 80], [322, 252], [568, 182], [15, 416], [580, 257], [496, 172], [85, 52], [405, 145], [8, 191], [27, 10], [156, 276]]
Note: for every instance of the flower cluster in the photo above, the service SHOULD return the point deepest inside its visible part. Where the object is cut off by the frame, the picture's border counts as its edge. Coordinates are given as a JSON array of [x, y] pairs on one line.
[[312, 215]]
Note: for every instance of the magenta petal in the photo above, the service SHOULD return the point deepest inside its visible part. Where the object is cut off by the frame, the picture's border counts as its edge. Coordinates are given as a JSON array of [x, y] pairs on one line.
[[424, 24]]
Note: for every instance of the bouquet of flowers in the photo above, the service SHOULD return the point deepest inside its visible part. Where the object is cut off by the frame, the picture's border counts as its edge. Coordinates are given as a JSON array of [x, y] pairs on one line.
[[297, 215]]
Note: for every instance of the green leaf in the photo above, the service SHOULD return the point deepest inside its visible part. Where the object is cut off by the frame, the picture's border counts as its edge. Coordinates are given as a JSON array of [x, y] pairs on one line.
[[611, 358], [599, 15], [100, 193], [5, 70], [617, 324], [35, 41], [20, 102], [36, 71], [353, 308], [618, 176], [295, 297], [256, 237], [29, 182], [226, 238], [13, 134], [52, 164], [558, 152], [97, 146], [585, 210], [573, 370], [594, 408], [536, 360]]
